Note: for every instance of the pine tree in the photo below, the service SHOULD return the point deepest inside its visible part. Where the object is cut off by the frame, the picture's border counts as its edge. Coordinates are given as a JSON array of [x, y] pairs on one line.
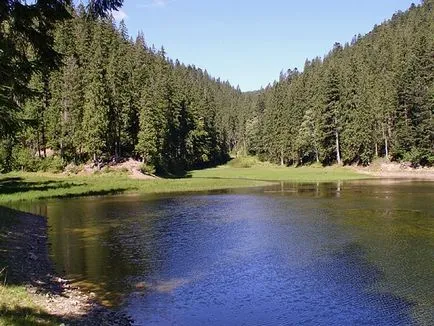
[[330, 124], [96, 101]]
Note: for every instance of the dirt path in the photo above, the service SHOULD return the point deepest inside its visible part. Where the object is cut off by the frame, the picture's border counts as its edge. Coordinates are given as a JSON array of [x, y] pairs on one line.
[[24, 250]]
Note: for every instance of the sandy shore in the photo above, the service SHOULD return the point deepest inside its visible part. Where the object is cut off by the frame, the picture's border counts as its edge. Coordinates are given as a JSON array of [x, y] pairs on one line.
[[396, 171], [25, 253], [400, 175]]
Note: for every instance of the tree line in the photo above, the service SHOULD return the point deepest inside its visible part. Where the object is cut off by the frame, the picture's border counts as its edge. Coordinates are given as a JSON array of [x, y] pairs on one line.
[[113, 97], [373, 97], [80, 87]]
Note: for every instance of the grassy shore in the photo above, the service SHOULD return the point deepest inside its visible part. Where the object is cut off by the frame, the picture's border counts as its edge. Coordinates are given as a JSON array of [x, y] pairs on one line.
[[33, 186], [18, 308], [277, 173]]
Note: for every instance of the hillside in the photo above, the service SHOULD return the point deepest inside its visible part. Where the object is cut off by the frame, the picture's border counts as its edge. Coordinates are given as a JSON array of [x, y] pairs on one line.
[[372, 97], [114, 97]]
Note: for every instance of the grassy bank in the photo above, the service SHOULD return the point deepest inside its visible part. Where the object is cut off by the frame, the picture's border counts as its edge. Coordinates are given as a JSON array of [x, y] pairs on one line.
[[18, 308], [277, 173], [33, 186]]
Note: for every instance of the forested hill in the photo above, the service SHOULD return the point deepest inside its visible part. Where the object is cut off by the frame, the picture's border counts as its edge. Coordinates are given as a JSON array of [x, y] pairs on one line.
[[116, 97], [372, 97]]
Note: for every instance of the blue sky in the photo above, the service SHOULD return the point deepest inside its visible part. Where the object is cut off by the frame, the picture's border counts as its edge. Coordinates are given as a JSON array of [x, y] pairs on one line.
[[250, 42]]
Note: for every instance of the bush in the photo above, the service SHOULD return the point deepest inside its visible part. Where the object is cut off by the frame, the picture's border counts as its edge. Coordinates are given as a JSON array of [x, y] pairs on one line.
[[419, 157], [107, 169], [316, 165], [427, 158], [147, 168], [25, 159], [51, 164], [73, 169], [123, 170], [244, 162], [430, 160], [5, 156], [413, 157]]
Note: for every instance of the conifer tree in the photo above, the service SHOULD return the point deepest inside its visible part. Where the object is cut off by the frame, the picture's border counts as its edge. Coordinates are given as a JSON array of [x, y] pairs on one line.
[[96, 100]]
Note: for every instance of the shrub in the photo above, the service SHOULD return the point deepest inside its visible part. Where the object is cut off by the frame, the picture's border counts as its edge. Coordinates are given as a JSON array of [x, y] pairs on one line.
[[316, 165], [51, 164], [24, 159], [244, 162], [74, 169], [413, 157], [5, 156], [147, 168], [107, 169], [123, 170]]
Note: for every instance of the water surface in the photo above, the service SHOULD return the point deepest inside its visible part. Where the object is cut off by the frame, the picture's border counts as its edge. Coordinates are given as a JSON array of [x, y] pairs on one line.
[[353, 253]]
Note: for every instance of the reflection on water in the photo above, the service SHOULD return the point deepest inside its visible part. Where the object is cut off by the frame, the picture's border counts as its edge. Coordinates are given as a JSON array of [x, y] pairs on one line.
[[358, 252]]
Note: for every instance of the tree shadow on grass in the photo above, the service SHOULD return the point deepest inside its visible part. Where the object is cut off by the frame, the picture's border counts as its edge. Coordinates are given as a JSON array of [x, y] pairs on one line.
[[174, 175], [10, 179], [90, 193], [14, 185], [26, 316], [52, 189], [179, 172]]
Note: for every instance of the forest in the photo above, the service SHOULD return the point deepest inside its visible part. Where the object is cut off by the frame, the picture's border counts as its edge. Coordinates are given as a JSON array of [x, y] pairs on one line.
[[99, 95], [373, 97]]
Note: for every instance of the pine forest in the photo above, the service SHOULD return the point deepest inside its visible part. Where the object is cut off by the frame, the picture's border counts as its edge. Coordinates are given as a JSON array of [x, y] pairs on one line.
[[113, 97]]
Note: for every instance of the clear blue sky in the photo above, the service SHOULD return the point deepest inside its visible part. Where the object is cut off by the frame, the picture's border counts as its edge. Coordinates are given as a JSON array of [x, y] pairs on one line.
[[250, 42]]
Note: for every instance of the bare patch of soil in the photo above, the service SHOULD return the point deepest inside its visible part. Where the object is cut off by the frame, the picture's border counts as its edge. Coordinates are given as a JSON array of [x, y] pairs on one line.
[[130, 166], [386, 169]]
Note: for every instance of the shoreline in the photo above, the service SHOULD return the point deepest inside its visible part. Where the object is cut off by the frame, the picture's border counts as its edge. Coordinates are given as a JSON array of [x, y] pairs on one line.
[[25, 241], [24, 249], [402, 175], [22, 186], [397, 171]]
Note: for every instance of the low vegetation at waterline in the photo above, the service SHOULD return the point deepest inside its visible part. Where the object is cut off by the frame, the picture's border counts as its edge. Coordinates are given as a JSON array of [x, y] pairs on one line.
[[18, 308], [33, 186], [271, 172]]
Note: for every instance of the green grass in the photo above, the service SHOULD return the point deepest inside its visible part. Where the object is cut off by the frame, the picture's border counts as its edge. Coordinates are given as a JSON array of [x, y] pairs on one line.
[[277, 173], [17, 308], [34, 186]]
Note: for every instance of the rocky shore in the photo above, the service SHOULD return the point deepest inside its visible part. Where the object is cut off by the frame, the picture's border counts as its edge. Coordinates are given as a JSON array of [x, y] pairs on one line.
[[396, 170], [24, 260]]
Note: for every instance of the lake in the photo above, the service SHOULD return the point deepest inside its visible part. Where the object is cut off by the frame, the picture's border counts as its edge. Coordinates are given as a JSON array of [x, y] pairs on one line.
[[350, 253]]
